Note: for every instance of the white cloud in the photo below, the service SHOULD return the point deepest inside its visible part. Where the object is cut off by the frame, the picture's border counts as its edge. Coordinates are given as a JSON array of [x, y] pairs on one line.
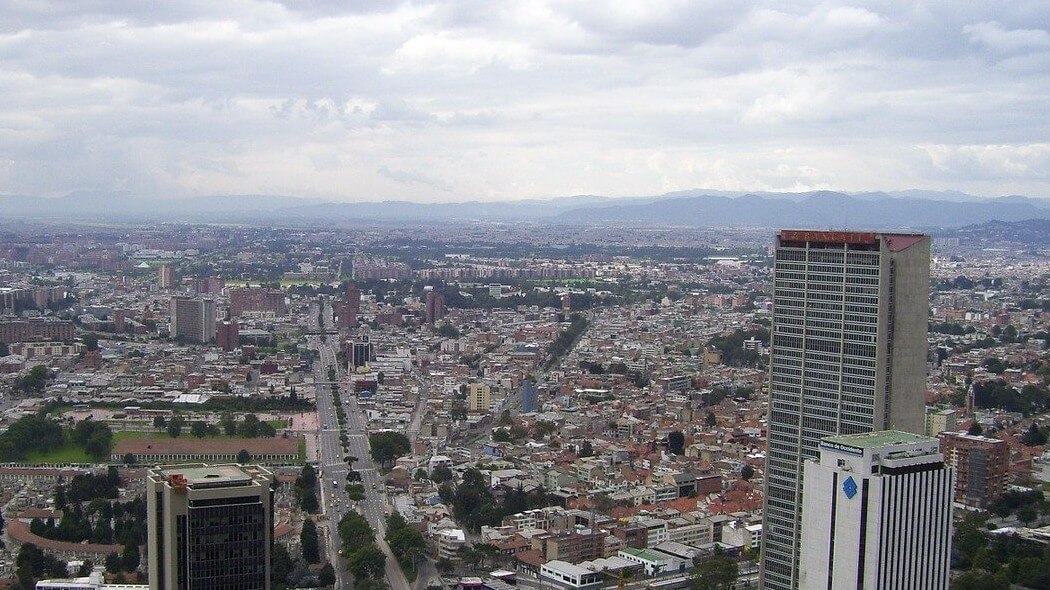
[[522, 98]]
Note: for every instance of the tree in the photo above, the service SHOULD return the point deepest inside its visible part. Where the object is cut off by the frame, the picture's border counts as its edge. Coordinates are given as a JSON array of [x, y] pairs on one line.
[[130, 558], [1034, 436], [406, 543], [586, 450], [90, 341], [280, 564], [199, 429], [711, 420], [175, 426], [244, 457], [309, 543], [327, 575], [228, 424], [385, 447], [355, 531], [747, 472], [716, 572], [130, 459], [441, 474], [159, 422], [371, 583], [114, 563], [676, 443], [249, 428], [367, 562], [445, 565], [974, 429]]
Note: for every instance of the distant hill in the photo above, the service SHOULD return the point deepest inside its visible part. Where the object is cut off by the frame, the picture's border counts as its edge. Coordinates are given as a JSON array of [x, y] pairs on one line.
[[695, 208], [824, 209], [1031, 232]]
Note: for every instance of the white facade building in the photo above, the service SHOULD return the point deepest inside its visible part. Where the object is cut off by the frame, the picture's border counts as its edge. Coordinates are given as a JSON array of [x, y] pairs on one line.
[[877, 514]]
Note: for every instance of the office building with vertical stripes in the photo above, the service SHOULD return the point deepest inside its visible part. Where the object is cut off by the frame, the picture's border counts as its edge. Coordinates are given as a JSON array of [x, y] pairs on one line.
[[877, 514], [848, 356]]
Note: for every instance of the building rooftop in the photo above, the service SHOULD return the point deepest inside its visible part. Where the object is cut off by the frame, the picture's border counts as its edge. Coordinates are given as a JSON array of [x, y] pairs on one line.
[[879, 438], [208, 474]]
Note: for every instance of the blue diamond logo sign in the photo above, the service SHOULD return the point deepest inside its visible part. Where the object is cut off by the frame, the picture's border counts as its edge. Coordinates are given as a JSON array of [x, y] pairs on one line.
[[849, 487]]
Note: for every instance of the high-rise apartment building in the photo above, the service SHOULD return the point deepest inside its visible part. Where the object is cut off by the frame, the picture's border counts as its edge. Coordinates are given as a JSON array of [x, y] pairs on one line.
[[362, 352], [982, 466], [210, 527], [939, 420], [479, 397], [353, 299], [257, 300], [193, 319], [166, 277], [877, 514], [435, 306], [227, 335], [848, 356]]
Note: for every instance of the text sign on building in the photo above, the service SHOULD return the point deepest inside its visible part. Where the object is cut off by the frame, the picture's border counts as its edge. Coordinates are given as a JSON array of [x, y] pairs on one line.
[[851, 450]]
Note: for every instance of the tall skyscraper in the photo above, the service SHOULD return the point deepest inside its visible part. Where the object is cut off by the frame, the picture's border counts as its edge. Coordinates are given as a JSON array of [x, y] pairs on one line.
[[877, 514], [193, 319], [210, 527], [848, 356]]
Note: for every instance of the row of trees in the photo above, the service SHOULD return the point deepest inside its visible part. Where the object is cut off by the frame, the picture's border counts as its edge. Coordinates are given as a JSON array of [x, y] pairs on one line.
[[364, 558], [406, 543], [566, 338], [306, 490], [998, 394], [249, 427]]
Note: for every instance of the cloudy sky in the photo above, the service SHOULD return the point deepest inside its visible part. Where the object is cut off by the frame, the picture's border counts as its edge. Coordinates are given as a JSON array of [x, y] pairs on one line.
[[496, 99]]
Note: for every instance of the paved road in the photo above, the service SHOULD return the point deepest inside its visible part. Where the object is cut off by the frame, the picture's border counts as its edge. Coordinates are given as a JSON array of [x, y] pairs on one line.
[[334, 468]]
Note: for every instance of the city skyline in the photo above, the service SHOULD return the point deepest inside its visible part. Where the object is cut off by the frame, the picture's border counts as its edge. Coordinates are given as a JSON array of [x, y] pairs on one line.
[[439, 101]]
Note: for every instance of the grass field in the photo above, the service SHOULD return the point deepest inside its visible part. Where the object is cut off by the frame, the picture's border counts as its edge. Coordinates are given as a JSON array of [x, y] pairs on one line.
[[68, 453]]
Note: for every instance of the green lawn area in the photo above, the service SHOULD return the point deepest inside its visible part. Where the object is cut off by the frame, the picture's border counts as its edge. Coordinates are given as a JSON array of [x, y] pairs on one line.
[[67, 453], [120, 435]]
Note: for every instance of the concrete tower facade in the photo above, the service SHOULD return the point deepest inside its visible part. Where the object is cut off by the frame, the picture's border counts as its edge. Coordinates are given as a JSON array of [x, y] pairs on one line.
[[848, 356], [210, 527]]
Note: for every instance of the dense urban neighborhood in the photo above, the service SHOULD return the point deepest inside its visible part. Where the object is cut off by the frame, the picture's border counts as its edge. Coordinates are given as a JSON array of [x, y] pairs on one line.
[[467, 406]]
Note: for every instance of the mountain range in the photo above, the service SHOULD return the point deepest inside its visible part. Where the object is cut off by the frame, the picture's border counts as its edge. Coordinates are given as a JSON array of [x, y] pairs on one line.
[[693, 208]]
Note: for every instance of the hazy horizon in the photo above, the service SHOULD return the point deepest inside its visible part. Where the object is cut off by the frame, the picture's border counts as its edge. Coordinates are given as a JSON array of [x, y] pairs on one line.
[[449, 102]]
